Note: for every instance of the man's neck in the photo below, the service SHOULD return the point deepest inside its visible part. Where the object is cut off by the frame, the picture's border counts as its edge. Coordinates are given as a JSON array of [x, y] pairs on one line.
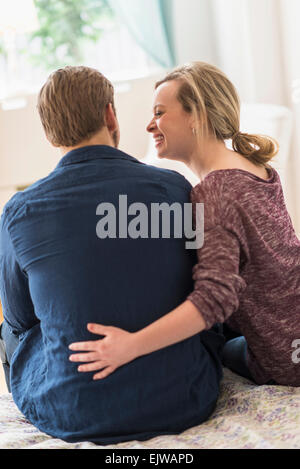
[[101, 138]]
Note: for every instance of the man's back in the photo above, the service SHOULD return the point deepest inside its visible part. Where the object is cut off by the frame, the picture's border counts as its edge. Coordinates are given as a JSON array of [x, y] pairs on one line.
[[67, 276]]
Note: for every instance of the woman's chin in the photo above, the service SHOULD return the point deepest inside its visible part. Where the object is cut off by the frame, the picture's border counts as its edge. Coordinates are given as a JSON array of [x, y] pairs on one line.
[[160, 154], [165, 156]]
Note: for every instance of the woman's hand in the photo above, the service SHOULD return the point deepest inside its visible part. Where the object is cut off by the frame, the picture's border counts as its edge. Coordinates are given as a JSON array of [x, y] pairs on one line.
[[115, 349]]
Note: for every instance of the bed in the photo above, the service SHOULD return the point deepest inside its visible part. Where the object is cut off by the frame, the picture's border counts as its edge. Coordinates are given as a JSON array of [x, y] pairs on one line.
[[246, 417]]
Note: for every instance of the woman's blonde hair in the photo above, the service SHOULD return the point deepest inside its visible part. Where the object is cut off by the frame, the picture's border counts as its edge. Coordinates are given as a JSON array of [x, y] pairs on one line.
[[206, 92]]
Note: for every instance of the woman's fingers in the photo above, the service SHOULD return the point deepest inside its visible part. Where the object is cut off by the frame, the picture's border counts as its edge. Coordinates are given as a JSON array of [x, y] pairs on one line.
[[105, 355], [98, 365], [104, 373], [84, 357], [98, 329], [91, 345]]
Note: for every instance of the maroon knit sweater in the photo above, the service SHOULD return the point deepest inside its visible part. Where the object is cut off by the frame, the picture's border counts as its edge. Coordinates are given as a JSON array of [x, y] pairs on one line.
[[248, 270]]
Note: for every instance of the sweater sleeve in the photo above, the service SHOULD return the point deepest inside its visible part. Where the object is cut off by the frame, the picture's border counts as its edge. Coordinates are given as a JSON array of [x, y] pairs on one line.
[[217, 280]]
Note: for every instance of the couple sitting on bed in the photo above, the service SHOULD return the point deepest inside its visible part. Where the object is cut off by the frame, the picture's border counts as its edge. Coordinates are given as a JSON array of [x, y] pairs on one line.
[[110, 337]]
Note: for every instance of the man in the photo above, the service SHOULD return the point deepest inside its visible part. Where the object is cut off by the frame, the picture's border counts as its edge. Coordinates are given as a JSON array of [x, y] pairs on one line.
[[57, 274]]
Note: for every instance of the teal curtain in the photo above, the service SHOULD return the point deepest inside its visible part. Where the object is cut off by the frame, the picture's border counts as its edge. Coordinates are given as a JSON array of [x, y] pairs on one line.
[[150, 23]]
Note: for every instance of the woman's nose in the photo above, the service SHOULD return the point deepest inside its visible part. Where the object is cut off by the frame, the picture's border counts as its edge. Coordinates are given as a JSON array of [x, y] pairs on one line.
[[151, 126]]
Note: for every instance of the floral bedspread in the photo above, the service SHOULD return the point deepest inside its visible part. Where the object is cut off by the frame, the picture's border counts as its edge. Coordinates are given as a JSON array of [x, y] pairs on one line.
[[246, 416]]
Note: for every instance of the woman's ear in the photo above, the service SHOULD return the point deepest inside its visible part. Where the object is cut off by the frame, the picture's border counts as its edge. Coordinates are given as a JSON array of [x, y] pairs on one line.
[[200, 126], [194, 126], [194, 121]]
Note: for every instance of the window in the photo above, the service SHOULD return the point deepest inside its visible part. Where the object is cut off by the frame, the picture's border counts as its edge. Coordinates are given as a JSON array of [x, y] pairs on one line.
[[69, 32]]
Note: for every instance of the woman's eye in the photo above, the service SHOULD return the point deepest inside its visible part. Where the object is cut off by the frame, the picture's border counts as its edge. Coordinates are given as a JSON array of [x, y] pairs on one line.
[[157, 113]]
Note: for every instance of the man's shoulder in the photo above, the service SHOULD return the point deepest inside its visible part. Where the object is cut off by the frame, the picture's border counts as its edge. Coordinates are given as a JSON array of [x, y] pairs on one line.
[[11, 208], [152, 172], [169, 181], [17, 204], [167, 176]]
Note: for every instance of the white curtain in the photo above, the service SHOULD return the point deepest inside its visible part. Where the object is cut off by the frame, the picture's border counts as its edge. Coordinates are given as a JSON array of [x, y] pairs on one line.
[[258, 46], [149, 24]]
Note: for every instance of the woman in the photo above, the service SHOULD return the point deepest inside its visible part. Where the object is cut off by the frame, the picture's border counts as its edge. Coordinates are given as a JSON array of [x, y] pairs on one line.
[[248, 270]]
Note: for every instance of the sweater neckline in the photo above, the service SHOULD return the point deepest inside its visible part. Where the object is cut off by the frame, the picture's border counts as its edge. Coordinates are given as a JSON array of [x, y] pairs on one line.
[[271, 171]]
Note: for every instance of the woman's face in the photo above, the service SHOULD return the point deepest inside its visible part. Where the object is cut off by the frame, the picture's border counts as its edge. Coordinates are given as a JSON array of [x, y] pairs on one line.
[[171, 126]]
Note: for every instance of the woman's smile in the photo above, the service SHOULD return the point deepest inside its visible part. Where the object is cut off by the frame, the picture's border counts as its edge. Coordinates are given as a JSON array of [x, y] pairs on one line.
[[170, 125], [158, 139]]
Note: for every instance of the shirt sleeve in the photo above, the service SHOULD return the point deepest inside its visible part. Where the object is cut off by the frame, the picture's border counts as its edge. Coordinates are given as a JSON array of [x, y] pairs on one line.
[[217, 280], [18, 310]]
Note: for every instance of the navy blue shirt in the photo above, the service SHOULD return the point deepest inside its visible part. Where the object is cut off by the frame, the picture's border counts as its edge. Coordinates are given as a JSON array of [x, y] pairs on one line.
[[56, 275]]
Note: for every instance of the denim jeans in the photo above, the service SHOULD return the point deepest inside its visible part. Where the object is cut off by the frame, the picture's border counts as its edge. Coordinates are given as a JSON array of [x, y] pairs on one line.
[[235, 357], [8, 344]]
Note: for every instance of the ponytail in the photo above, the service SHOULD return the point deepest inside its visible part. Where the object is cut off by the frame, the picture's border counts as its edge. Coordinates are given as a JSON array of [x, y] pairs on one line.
[[259, 149]]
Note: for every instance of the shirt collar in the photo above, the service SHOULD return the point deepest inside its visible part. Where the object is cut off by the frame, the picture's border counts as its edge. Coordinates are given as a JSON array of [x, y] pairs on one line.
[[94, 152]]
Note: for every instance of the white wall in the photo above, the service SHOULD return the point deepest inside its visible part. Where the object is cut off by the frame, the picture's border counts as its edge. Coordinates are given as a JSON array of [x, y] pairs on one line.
[[25, 154], [209, 31], [194, 31]]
